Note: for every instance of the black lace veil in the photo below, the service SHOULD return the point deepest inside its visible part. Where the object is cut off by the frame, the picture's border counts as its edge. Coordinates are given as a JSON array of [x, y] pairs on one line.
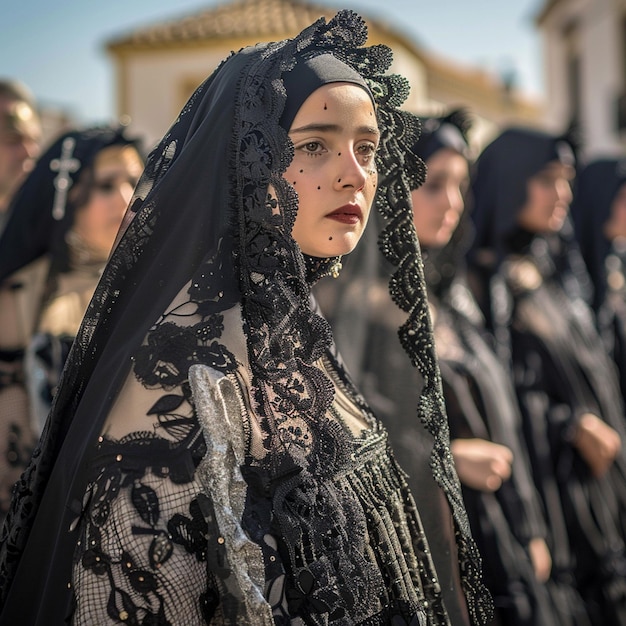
[[362, 321], [213, 215]]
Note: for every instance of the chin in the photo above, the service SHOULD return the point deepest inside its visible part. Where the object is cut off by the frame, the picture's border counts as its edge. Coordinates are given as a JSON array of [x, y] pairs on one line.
[[327, 254], [555, 226], [338, 249], [350, 242]]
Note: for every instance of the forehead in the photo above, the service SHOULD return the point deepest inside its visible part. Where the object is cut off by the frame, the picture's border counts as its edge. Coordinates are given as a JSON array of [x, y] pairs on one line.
[[336, 99], [446, 158], [557, 169], [118, 156]]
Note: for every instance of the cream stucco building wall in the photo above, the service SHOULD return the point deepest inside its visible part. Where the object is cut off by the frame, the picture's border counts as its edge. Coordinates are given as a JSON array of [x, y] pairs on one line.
[[153, 86], [584, 57]]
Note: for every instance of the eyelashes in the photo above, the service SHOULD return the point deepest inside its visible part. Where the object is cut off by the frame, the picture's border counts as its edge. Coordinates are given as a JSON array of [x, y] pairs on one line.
[[364, 152]]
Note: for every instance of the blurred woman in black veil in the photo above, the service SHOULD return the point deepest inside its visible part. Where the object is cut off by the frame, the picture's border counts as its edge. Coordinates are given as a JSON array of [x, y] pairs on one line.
[[533, 286], [207, 459], [599, 217], [63, 222]]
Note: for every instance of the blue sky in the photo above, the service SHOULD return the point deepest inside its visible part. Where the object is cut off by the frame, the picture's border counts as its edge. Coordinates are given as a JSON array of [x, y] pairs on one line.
[[57, 48]]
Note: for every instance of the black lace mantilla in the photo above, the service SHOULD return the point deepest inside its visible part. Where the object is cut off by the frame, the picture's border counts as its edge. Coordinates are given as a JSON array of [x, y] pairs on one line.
[[304, 449]]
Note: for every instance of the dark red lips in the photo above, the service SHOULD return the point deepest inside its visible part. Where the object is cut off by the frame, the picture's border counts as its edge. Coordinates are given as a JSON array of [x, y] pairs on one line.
[[347, 214]]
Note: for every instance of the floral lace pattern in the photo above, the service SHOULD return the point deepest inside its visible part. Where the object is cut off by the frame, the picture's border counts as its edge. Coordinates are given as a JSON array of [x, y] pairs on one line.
[[141, 533]]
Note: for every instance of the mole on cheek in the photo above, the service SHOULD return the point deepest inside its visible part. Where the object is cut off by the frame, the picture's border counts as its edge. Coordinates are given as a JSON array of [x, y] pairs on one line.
[[301, 171], [318, 187], [325, 106], [330, 239]]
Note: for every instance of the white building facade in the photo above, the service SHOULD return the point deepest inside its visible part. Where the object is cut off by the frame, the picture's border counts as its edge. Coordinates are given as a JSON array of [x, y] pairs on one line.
[[584, 51]]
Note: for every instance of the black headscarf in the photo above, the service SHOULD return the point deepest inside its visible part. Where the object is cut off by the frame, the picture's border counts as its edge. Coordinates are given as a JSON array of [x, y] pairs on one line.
[[202, 213], [597, 185], [446, 132], [309, 74], [501, 176], [42, 211], [499, 193]]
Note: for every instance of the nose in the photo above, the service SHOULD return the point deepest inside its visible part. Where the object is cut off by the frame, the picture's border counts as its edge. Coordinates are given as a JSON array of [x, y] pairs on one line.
[[119, 197], [454, 199], [25, 149], [351, 172], [564, 192], [32, 149], [125, 193], [20, 152]]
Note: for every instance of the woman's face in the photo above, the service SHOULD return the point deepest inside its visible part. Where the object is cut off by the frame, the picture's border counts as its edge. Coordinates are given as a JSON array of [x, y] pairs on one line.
[[548, 195], [116, 172], [439, 202], [615, 226], [335, 135]]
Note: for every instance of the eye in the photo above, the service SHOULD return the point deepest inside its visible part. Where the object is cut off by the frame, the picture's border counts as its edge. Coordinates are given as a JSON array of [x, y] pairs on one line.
[[434, 186], [108, 186], [366, 151], [546, 181], [312, 148], [104, 186]]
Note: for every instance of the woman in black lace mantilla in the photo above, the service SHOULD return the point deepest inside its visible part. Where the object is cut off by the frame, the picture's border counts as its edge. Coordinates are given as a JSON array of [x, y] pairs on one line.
[[207, 459]]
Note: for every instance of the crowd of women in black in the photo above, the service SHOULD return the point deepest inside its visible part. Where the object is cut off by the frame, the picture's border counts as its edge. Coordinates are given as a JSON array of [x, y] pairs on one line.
[[434, 437]]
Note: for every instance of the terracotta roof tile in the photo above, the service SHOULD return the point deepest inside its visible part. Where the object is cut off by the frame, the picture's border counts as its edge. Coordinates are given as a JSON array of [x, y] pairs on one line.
[[241, 18]]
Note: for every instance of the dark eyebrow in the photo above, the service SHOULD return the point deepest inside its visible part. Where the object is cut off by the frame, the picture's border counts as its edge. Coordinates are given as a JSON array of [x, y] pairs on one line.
[[330, 128]]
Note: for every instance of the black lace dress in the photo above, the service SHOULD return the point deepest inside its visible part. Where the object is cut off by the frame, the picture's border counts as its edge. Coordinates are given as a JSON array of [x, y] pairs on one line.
[[151, 549]]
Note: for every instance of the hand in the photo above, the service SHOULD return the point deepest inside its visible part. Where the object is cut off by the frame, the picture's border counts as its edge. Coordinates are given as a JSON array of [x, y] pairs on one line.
[[597, 443], [481, 464], [541, 559]]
